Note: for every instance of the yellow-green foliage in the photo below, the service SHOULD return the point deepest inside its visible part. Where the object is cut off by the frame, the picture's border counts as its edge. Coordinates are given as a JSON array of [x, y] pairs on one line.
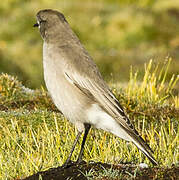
[[117, 34], [154, 88], [35, 137]]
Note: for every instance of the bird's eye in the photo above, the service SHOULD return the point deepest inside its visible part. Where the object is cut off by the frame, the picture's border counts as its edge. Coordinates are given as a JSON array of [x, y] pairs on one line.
[[42, 21]]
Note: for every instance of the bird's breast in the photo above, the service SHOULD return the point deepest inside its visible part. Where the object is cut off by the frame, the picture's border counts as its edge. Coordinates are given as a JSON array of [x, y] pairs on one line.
[[67, 97]]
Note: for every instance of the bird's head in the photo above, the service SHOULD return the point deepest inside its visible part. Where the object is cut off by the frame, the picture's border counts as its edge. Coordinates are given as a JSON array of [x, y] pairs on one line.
[[50, 23]]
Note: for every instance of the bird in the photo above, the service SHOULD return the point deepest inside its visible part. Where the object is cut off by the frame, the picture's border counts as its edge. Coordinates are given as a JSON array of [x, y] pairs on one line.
[[77, 88]]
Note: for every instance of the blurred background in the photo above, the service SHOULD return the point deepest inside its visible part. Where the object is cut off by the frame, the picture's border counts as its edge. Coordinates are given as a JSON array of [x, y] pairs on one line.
[[117, 34]]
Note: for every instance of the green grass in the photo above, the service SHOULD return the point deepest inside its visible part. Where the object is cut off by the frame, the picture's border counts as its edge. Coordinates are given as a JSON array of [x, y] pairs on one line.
[[34, 136]]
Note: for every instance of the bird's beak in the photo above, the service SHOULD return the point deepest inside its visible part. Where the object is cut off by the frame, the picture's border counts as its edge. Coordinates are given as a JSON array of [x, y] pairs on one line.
[[36, 25]]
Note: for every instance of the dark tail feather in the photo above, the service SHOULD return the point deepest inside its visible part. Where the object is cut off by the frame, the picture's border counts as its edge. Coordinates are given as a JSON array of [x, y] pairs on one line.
[[144, 147], [151, 158]]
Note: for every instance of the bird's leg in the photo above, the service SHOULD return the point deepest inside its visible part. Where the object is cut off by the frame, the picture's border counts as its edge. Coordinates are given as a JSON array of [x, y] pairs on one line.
[[87, 128], [73, 147]]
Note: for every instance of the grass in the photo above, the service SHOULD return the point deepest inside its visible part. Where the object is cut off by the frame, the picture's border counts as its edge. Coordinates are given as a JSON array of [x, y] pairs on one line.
[[34, 136]]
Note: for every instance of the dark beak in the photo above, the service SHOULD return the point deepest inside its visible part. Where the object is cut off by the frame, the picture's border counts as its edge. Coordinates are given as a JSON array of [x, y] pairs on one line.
[[36, 25]]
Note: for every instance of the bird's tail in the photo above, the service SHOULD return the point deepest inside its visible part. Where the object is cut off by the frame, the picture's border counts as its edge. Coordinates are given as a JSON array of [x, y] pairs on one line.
[[144, 147]]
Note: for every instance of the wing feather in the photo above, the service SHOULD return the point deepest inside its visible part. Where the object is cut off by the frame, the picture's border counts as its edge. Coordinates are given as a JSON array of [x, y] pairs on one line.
[[103, 95], [105, 98]]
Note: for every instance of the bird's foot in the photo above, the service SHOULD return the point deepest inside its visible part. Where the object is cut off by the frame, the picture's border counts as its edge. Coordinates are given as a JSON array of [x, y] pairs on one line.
[[70, 163]]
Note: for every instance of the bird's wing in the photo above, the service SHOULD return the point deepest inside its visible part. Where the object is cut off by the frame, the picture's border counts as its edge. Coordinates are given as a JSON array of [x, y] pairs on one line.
[[91, 84], [94, 86]]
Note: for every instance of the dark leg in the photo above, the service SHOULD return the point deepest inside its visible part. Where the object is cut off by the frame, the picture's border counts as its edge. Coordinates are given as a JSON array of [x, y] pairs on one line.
[[73, 147], [87, 128]]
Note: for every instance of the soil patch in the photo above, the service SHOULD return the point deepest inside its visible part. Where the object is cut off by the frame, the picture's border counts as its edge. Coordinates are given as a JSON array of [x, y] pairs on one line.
[[126, 171]]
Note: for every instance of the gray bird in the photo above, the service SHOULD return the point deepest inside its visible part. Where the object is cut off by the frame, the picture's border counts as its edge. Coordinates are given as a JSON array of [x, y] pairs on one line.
[[77, 87]]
